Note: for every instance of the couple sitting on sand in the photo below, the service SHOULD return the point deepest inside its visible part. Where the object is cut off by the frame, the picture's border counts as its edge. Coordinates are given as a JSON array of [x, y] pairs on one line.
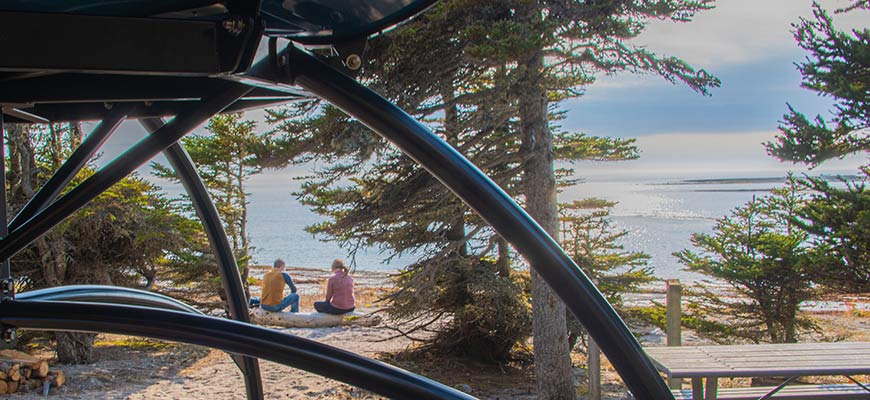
[[339, 291]]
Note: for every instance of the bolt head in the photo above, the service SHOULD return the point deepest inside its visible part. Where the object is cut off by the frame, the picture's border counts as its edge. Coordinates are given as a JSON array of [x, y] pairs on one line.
[[353, 62]]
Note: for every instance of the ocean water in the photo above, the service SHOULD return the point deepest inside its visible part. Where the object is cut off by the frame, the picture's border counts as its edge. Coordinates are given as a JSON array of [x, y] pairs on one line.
[[660, 213]]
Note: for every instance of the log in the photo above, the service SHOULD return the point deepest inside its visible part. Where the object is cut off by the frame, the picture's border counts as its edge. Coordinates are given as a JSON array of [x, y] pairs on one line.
[[14, 372], [3, 375], [11, 387], [26, 372], [40, 368], [4, 387], [15, 356], [56, 378], [312, 320]]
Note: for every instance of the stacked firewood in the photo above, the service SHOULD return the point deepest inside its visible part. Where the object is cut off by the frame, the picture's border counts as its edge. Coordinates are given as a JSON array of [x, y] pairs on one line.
[[21, 372]]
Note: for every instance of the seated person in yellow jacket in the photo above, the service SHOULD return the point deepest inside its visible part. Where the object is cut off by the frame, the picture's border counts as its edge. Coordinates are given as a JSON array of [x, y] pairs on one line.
[[272, 287]]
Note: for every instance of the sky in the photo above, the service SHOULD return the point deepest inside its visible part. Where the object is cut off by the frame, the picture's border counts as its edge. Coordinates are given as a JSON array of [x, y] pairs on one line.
[[748, 44]]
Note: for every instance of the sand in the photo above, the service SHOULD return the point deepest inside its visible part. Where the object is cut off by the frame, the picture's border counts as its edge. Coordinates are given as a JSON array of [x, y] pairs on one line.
[[136, 368]]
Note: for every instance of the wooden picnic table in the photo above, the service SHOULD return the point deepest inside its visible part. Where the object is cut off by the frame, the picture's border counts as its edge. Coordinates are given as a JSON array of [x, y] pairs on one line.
[[791, 360]]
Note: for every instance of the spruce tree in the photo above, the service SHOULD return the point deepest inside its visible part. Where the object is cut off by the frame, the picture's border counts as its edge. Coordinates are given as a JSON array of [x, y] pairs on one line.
[[225, 161], [838, 66], [593, 243], [766, 260], [124, 237], [491, 75]]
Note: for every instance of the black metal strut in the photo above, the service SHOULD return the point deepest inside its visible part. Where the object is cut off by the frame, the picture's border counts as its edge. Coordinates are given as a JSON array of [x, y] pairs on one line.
[[217, 237], [68, 170], [116, 170], [490, 202], [230, 336]]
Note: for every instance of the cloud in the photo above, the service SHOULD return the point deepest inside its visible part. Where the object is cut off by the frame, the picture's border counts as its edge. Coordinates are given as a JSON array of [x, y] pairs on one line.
[[708, 154], [740, 31]]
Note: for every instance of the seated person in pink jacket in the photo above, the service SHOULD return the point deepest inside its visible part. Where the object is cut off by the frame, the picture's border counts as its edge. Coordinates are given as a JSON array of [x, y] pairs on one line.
[[339, 291]]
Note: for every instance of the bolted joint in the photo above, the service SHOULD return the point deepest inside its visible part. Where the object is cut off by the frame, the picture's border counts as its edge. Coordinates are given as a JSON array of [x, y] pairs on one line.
[[9, 334], [7, 287], [233, 26], [353, 62]]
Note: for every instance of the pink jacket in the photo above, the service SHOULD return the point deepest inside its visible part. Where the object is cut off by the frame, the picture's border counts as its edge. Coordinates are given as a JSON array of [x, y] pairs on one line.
[[339, 291]]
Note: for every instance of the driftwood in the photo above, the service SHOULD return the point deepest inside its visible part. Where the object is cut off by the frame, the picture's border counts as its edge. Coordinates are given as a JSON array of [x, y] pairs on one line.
[[312, 320]]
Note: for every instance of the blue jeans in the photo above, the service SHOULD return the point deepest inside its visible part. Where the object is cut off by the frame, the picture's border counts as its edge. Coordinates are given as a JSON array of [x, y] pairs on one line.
[[291, 300], [326, 307]]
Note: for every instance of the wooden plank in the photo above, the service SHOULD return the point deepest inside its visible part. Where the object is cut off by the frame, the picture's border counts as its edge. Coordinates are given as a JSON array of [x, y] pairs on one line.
[[594, 369], [796, 392], [763, 360]]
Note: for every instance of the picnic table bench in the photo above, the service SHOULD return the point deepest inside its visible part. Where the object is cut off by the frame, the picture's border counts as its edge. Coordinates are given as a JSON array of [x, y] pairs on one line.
[[793, 360]]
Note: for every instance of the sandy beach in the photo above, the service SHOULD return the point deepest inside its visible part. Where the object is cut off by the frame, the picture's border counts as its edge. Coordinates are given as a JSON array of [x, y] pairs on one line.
[[139, 368]]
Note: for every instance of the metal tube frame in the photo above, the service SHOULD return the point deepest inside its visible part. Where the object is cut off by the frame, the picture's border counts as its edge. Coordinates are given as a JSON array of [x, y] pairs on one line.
[[230, 336], [107, 294], [493, 205], [415, 140], [217, 237], [116, 170], [79, 158]]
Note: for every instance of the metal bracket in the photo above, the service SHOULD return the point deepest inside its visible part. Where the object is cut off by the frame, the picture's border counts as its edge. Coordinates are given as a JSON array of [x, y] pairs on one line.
[[9, 334], [7, 288], [352, 54]]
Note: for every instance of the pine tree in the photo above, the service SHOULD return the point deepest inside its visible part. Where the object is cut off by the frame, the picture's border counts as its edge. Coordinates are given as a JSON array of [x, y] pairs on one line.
[[225, 160], [124, 237], [767, 261], [838, 66], [495, 72], [592, 242]]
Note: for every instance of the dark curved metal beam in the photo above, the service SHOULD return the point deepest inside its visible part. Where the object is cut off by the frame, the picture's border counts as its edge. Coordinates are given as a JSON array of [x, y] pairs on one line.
[[116, 170], [217, 237], [107, 294], [491, 203], [230, 336]]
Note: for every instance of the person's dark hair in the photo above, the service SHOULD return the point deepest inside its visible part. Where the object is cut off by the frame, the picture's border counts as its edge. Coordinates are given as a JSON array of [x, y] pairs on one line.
[[279, 263], [339, 264]]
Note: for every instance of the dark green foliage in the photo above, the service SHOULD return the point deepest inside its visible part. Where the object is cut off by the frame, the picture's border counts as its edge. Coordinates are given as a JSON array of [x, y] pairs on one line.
[[590, 240], [461, 67], [476, 311], [225, 160], [126, 236], [123, 237], [767, 262], [838, 217], [838, 67]]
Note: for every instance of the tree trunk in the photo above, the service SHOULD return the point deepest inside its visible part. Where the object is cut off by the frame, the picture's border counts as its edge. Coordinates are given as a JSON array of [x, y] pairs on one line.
[[552, 357], [243, 228], [456, 232], [503, 263], [74, 347]]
